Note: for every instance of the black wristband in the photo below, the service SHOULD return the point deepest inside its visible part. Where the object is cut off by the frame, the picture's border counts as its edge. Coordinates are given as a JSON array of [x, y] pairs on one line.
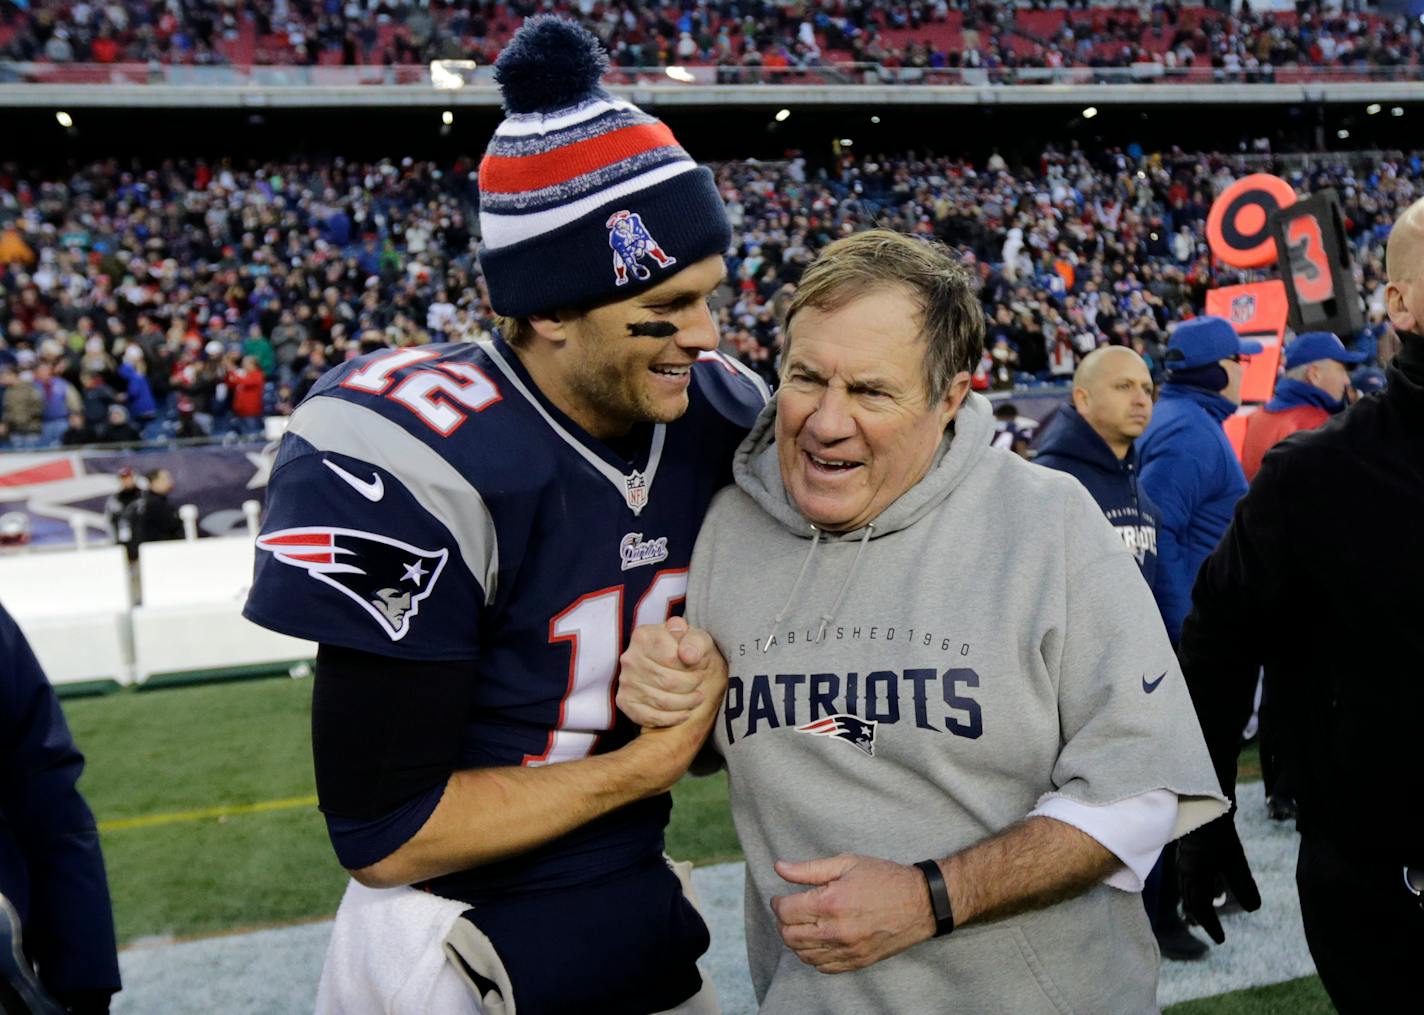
[[939, 897]]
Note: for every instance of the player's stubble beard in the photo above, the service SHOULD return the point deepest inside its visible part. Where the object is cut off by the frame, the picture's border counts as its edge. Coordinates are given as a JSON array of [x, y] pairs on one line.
[[614, 381]]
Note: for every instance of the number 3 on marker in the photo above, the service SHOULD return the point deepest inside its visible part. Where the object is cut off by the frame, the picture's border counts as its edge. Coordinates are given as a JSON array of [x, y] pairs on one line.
[[1310, 269], [593, 626]]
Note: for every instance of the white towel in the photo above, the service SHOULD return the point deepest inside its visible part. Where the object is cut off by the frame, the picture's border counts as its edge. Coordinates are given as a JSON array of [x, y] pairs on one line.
[[399, 951], [387, 956]]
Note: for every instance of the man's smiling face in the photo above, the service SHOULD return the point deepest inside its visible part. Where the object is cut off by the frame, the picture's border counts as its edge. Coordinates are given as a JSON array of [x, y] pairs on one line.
[[854, 425]]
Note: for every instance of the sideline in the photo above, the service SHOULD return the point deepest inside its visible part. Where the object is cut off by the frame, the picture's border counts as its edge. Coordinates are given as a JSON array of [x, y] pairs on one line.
[[202, 814]]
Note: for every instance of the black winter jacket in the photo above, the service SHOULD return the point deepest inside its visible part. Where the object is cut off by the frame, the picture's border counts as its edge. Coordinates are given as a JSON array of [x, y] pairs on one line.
[[1321, 577], [50, 865]]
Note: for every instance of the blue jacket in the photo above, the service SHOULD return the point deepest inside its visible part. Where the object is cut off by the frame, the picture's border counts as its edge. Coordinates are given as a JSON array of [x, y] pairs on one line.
[[1074, 447], [50, 865], [141, 404], [1192, 475]]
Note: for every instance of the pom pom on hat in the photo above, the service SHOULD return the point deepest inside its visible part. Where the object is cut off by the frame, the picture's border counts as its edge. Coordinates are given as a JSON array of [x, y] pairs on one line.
[[550, 64]]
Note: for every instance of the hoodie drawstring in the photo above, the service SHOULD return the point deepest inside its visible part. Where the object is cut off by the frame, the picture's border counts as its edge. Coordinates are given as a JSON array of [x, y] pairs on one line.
[[830, 615], [795, 587]]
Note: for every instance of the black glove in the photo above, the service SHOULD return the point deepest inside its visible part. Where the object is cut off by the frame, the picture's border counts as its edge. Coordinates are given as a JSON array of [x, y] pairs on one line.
[[1210, 855]]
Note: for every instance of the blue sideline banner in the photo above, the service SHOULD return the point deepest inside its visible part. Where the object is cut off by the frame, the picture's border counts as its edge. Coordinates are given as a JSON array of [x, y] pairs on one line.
[[51, 487]]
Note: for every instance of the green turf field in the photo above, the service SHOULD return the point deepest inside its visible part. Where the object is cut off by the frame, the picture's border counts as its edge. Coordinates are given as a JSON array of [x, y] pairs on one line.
[[205, 798], [154, 755]]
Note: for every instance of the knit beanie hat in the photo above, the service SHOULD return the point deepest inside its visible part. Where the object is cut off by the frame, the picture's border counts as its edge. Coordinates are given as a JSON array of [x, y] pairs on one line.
[[584, 197]]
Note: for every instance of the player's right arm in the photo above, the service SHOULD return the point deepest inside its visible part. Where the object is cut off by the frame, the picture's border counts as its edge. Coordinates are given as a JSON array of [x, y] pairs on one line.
[[487, 814], [386, 746], [391, 586]]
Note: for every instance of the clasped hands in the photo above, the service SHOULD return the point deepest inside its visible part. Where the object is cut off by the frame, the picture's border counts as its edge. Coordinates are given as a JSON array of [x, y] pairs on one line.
[[856, 910]]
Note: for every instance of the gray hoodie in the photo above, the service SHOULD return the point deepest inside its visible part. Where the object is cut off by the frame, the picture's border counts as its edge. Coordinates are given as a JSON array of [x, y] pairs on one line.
[[910, 688]]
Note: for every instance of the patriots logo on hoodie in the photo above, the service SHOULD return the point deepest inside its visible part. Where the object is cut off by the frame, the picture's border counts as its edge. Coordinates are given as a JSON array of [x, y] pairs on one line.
[[385, 577], [858, 732]]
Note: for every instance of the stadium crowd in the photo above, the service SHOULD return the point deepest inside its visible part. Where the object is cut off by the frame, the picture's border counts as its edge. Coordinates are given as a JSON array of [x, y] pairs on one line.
[[184, 299], [925, 34]]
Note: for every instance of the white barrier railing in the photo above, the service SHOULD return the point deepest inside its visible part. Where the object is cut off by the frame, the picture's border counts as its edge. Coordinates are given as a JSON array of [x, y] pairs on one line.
[[79, 610]]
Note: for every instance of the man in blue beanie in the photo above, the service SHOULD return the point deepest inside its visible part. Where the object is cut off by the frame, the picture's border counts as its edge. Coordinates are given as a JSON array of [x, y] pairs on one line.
[[471, 532]]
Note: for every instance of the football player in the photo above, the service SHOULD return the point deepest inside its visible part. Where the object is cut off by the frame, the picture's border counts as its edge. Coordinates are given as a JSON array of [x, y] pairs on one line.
[[471, 532]]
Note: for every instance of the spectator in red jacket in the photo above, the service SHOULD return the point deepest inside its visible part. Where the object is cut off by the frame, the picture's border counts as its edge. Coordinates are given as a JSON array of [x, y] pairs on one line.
[[1312, 390], [246, 384]]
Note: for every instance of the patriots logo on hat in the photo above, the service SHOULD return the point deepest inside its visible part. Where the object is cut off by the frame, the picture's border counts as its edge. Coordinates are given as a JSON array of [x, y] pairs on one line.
[[631, 242], [858, 732], [385, 577]]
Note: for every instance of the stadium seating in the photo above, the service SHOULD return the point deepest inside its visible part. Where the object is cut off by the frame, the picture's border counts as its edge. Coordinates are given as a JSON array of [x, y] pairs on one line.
[[1007, 36], [191, 617], [74, 609]]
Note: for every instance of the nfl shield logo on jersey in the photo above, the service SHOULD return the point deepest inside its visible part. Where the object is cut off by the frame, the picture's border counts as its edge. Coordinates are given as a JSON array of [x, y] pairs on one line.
[[631, 243], [1243, 308], [385, 577], [635, 491]]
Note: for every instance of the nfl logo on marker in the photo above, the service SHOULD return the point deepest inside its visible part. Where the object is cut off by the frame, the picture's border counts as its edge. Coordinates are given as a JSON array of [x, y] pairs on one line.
[[635, 491], [1243, 308]]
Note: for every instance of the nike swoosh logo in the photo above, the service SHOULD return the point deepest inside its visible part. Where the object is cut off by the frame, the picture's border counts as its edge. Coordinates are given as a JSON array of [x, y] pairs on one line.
[[1148, 687], [372, 489]]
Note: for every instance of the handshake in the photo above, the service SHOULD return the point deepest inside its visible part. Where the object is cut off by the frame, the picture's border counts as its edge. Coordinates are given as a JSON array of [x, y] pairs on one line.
[[671, 681]]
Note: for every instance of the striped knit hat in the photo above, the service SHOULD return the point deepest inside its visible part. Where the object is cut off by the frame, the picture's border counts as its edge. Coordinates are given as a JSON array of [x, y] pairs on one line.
[[584, 197]]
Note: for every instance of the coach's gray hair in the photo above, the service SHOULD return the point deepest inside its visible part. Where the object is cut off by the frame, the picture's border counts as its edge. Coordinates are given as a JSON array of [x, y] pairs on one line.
[[951, 319]]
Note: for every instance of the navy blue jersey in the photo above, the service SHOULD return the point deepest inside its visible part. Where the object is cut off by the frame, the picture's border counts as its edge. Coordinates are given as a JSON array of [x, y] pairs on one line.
[[430, 504]]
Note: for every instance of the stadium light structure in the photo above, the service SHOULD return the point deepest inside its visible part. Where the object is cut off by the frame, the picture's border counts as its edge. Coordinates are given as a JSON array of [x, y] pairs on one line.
[[782, 115], [447, 117], [680, 74], [875, 119], [1397, 111], [64, 119], [1373, 108], [1090, 112]]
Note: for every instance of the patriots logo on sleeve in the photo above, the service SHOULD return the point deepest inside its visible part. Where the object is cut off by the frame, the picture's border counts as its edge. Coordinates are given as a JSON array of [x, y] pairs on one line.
[[858, 732], [385, 577]]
